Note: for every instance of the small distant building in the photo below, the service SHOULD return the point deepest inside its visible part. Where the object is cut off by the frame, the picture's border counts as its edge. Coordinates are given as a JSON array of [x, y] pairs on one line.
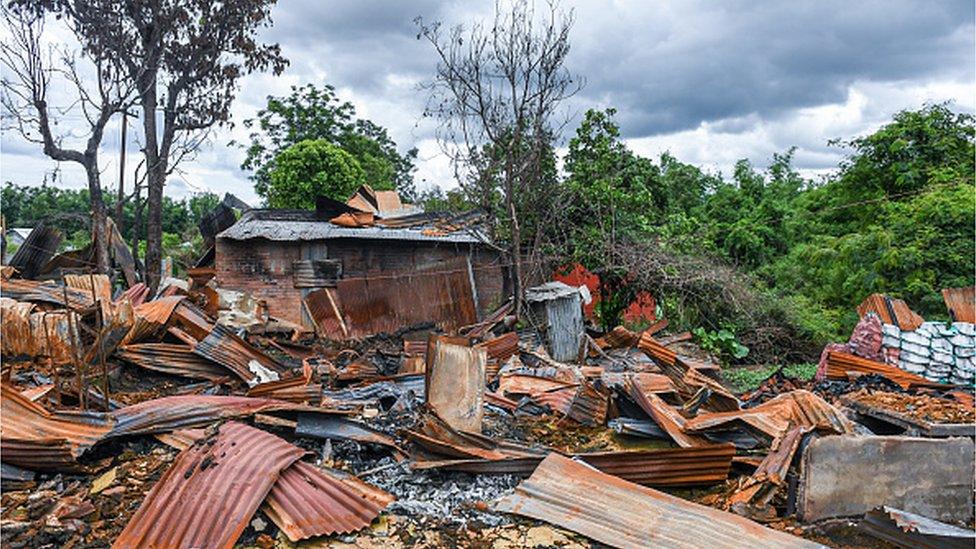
[[395, 267], [17, 235]]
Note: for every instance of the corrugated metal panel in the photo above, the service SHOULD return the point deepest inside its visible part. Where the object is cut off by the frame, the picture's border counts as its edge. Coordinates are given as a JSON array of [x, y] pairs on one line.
[[208, 495], [227, 349], [179, 412], [308, 501], [776, 417], [891, 311], [36, 250], [174, 359], [44, 292], [150, 318], [16, 336], [392, 301], [249, 227], [316, 273], [840, 364], [961, 303], [622, 514], [565, 318], [582, 403], [35, 438]]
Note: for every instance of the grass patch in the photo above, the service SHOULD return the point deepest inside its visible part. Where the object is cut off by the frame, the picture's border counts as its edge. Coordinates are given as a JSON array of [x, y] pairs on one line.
[[747, 378]]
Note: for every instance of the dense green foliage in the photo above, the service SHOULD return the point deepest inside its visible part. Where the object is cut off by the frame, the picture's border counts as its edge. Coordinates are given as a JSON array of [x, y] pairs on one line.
[[69, 211], [312, 168], [897, 217], [313, 113]]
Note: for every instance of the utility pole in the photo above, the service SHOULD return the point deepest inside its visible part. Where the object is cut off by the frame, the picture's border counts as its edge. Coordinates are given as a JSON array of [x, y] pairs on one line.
[[121, 198]]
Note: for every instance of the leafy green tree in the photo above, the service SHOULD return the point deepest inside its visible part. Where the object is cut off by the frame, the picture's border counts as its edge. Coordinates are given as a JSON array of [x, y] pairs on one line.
[[316, 113], [311, 168]]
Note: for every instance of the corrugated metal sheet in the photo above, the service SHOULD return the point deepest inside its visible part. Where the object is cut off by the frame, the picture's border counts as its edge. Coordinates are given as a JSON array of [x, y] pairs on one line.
[[623, 514], [308, 501], [501, 347], [915, 531], [840, 364], [36, 250], [776, 417], [207, 497], [667, 417], [179, 412], [250, 225], [44, 292], [583, 403], [891, 311], [319, 273], [273, 387], [456, 385], [16, 336], [227, 349], [557, 308], [961, 303], [653, 348], [389, 302], [669, 467], [174, 359], [150, 318], [35, 438]]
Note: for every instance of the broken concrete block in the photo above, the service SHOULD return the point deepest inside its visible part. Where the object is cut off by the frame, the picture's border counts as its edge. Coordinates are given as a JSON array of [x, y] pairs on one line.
[[848, 475]]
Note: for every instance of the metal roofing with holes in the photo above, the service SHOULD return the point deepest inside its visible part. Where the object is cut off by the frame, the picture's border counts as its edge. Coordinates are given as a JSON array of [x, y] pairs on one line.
[[623, 514], [209, 494]]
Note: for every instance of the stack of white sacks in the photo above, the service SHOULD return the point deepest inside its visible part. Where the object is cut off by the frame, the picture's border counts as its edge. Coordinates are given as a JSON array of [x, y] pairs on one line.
[[940, 351]]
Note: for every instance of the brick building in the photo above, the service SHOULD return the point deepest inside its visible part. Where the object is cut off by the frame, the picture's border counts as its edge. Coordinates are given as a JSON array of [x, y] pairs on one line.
[[344, 281]]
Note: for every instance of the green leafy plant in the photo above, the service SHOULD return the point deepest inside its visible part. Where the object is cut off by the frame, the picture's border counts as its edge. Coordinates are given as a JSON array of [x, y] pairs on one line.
[[722, 343]]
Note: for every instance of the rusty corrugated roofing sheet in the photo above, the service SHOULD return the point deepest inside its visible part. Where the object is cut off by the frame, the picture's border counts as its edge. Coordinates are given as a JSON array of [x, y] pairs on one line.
[[622, 514], [36, 250], [961, 303], [840, 364], [35, 438], [150, 318], [891, 311], [45, 292], [172, 358], [776, 417], [179, 412], [308, 501], [916, 531], [227, 349], [208, 495]]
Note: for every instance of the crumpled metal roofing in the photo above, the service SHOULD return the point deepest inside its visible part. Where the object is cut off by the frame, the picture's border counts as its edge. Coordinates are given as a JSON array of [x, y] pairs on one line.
[[622, 514], [840, 364], [35, 438], [207, 497], [44, 292], [182, 411], [891, 311], [172, 358], [36, 250], [776, 417], [308, 501], [227, 349]]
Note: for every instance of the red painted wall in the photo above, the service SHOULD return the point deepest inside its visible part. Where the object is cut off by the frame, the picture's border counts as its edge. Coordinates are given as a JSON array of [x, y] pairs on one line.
[[642, 309]]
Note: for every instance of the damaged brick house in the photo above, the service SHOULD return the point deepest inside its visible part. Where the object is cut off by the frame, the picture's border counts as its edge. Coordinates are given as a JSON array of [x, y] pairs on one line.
[[368, 266]]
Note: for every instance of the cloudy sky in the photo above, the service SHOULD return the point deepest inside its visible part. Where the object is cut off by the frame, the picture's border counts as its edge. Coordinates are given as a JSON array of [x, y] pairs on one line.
[[711, 82]]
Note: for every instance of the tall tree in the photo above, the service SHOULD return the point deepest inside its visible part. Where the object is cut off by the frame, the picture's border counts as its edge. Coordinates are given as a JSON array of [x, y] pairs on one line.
[[316, 113], [30, 65], [497, 92], [185, 58]]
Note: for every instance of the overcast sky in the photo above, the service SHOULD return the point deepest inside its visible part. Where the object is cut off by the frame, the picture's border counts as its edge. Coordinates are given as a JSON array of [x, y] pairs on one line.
[[711, 82]]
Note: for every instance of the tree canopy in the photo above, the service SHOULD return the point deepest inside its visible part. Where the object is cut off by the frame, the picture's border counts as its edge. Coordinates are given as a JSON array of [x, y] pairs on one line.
[[312, 168]]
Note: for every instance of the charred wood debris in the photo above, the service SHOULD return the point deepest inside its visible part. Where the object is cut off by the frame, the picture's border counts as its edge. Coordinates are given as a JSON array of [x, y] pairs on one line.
[[177, 420]]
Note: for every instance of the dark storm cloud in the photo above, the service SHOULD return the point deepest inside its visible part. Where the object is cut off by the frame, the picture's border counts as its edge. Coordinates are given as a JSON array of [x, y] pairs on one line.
[[667, 70]]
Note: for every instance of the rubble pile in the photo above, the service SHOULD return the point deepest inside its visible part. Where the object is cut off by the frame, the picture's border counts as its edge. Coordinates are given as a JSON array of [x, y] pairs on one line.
[[192, 418]]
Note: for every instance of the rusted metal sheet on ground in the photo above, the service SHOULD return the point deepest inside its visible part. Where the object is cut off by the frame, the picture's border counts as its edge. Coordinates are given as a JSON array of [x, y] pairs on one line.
[[501, 347], [35, 438], [961, 303], [622, 514], [16, 336], [840, 365], [434, 435], [325, 426], [44, 292], [383, 304], [182, 411], [227, 349], [174, 359], [891, 311], [51, 333], [271, 388], [307, 501], [774, 418], [455, 385], [653, 348], [697, 466], [36, 250], [915, 531], [583, 403], [209, 494], [96, 285]]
